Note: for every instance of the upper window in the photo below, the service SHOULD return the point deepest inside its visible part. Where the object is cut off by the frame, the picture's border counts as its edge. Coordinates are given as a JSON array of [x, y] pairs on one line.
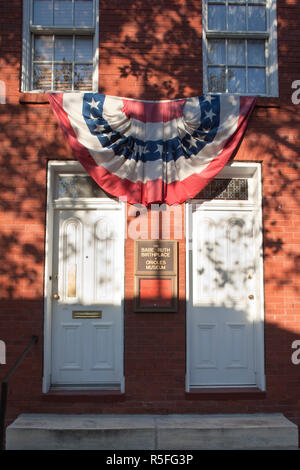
[[59, 45], [240, 49]]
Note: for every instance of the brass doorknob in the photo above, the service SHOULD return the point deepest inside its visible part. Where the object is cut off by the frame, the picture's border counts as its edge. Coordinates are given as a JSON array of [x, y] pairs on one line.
[[55, 296], [251, 297]]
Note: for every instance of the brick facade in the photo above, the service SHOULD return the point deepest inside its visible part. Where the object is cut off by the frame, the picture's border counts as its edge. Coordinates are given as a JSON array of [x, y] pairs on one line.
[[149, 49]]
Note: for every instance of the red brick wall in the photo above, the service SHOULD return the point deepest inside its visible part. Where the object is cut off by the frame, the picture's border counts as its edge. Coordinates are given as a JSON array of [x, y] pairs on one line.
[[151, 50]]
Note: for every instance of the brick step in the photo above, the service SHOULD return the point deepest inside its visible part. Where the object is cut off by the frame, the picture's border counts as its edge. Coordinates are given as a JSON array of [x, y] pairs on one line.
[[150, 432]]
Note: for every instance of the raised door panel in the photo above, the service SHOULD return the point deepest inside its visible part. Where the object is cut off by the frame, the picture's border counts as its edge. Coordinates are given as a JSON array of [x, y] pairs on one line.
[[70, 260], [205, 342], [102, 354], [71, 347]]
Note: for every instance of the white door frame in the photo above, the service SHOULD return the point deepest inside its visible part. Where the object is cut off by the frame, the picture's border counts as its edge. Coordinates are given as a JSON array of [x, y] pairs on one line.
[[254, 203], [70, 167]]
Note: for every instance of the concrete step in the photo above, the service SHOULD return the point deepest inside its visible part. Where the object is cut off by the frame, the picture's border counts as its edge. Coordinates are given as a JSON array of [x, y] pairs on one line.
[[151, 432]]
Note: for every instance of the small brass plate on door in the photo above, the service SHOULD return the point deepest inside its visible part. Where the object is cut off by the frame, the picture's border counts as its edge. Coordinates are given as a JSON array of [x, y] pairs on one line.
[[87, 314]]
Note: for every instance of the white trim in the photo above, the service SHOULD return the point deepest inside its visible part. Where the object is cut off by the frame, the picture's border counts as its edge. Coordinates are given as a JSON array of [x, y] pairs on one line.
[[96, 50], [26, 53], [83, 31], [123, 236], [253, 171], [259, 349], [273, 59], [48, 284], [271, 47], [188, 254], [87, 203], [54, 168], [27, 45]]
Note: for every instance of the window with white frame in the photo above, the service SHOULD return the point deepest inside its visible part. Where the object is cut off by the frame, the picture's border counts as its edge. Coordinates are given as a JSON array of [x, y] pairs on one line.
[[60, 45], [240, 47]]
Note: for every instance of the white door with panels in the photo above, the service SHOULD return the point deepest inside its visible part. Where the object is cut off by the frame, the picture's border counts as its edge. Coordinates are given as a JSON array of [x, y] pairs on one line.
[[223, 297], [87, 279]]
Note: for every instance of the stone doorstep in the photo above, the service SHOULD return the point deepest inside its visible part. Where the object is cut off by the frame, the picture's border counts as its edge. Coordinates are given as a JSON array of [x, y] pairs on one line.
[[150, 432]]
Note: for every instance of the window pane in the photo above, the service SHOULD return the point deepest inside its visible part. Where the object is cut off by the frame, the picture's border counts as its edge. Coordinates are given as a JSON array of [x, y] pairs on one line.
[[43, 48], [83, 77], [256, 80], [83, 49], [216, 17], [225, 188], [63, 77], [216, 52], [78, 186], [216, 79], [84, 13], [63, 49], [236, 80], [256, 52], [257, 18], [236, 52], [63, 13], [236, 18], [41, 77], [42, 12]]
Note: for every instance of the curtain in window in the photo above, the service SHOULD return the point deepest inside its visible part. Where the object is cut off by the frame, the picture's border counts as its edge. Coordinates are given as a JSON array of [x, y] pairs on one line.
[[152, 151]]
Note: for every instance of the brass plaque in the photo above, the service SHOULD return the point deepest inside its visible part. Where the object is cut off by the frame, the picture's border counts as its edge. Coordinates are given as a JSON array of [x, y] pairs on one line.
[[157, 257], [87, 314]]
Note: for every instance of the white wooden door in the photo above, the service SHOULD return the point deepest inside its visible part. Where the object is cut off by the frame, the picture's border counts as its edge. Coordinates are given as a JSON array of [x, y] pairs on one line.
[[222, 300], [87, 277]]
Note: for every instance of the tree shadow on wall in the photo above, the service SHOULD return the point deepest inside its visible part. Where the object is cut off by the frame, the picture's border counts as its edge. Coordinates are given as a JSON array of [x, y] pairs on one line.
[[149, 49]]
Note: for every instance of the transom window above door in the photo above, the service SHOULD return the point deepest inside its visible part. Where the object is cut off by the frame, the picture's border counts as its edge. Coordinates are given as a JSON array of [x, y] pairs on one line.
[[240, 49], [60, 45]]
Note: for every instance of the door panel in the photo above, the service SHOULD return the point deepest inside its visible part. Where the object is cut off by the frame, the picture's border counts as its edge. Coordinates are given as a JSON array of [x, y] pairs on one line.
[[221, 315], [87, 276]]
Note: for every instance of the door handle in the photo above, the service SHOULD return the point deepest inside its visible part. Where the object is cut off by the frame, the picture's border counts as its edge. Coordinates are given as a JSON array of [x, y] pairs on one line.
[[55, 296], [251, 296]]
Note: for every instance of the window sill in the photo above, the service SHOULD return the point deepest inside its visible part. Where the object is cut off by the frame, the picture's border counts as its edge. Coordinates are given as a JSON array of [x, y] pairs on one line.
[[225, 394], [33, 98], [265, 102], [103, 396], [41, 98]]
